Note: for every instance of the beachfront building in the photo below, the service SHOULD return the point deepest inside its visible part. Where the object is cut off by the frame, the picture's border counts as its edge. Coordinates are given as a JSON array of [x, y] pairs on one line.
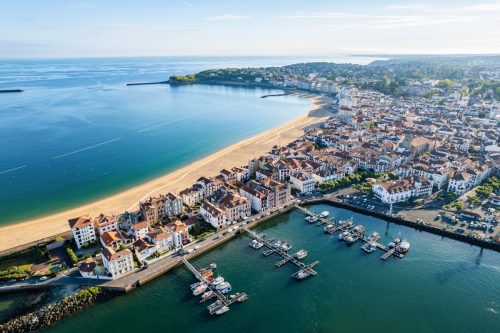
[[402, 189], [179, 232], [117, 263], [258, 199], [304, 183], [173, 204], [161, 239], [213, 214], [111, 239], [235, 207], [127, 219], [192, 195], [139, 230], [106, 222], [83, 230], [152, 210]]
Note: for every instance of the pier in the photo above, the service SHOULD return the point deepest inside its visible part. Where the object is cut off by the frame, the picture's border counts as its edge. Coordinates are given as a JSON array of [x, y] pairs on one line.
[[222, 300], [389, 252], [306, 268]]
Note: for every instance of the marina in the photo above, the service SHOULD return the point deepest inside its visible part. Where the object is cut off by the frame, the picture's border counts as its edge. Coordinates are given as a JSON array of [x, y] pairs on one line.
[[281, 248], [217, 288], [351, 233]]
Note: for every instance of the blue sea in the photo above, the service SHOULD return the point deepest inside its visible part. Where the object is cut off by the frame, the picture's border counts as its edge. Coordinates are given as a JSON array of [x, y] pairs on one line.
[[78, 133]]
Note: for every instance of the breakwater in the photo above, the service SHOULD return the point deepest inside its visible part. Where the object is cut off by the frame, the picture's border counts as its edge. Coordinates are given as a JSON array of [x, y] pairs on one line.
[[50, 314], [11, 90]]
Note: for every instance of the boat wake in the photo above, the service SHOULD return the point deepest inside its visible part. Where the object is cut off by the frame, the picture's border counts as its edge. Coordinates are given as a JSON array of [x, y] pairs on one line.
[[86, 148], [13, 169]]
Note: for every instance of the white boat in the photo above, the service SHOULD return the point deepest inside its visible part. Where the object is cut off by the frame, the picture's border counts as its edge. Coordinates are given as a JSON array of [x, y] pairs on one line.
[[344, 234], [218, 281], [226, 290], [222, 285], [312, 219], [213, 265], [214, 305], [300, 275], [207, 294], [283, 245], [324, 214], [351, 238], [301, 254], [255, 244], [395, 242], [329, 228], [222, 310], [201, 288], [369, 247], [404, 246], [358, 229], [195, 285], [375, 236]]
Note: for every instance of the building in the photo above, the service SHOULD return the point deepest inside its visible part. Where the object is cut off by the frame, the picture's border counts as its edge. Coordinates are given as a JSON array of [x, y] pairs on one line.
[[179, 231], [402, 189], [213, 214], [173, 205], [111, 239], [83, 230], [139, 230], [235, 207], [106, 222], [304, 183], [117, 263]]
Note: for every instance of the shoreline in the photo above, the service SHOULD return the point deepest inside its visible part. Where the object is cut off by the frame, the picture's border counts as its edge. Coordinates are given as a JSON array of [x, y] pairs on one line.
[[19, 235]]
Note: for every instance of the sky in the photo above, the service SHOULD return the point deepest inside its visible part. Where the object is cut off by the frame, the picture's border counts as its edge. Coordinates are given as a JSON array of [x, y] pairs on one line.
[[91, 28]]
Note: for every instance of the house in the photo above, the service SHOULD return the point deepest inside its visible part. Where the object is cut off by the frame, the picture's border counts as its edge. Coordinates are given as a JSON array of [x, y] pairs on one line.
[[192, 195], [111, 239], [179, 233], [213, 214], [235, 207], [173, 205], [143, 249], [304, 183], [402, 189], [83, 230], [87, 268], [152, 210], [258, 199], [106, 222], [139, 230], [117, 263], [161, 239], [126, 219], [460, 183]]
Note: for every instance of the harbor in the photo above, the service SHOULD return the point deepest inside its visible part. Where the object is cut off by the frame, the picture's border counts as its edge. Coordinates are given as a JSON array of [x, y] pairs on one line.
[[213, 288], [351, 233], [281, 248]]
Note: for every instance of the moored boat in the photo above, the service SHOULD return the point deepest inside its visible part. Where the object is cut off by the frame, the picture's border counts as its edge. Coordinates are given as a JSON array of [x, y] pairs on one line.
[[324, 214], [207, 295], [344, 234], [368, 247], [201, 288], [328, 229], [301, 274], [404, 246], [222, 285], [312, 218], [283, 245], [218, 281], [222, 310], [255, 244], [301, 254], [351, 238]]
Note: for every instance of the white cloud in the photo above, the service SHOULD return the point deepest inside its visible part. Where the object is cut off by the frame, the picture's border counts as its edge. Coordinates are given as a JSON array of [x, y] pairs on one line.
[[316, 15], [485, 7], [407, 7], [228, 17]]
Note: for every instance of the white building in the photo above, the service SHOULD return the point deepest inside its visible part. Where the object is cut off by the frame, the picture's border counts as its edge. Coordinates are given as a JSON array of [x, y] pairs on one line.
[[83, 230], [402, 189], [235, 207], [303, 182], [173, 205], [106, 222], [117, 263], [213, 214]]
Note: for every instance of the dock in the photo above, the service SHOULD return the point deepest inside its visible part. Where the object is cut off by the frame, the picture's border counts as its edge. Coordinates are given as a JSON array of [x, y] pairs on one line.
[[286, 258], [389, 252], [222, 300]]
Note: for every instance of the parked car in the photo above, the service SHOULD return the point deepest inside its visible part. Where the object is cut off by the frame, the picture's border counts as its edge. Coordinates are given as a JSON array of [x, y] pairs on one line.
[[43, 278]]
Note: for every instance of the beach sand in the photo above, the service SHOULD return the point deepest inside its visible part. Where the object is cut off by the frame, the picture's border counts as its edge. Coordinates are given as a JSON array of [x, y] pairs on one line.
[[235, 155]]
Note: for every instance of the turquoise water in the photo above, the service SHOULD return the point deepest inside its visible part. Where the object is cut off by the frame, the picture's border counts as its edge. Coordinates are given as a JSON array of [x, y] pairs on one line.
[[78, 133], [441, 286]]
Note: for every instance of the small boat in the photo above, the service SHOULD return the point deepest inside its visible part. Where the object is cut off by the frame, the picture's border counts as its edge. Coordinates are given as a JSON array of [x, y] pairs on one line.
[[301, 254], [328, 229], [222, 310], [201, 288], [404, 246], [207, 295], [214, 305], [255, 244], [312, 218], [351, 238], [226, 290], [344, 234], [218, 281], [301, 274], [213, 265], [369, 247], [242, 298], [283, 245], [375, 236], [222, 285], [358, 229], [195, 285], [324, 214], [394, 243]]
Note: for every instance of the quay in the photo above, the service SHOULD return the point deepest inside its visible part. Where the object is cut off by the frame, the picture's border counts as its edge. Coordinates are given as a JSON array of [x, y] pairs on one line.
[[306, 268], [222, 300], [389, 252]]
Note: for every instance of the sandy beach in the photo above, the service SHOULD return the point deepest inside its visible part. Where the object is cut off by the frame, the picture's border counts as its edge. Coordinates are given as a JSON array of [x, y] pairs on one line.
[[235, 155]]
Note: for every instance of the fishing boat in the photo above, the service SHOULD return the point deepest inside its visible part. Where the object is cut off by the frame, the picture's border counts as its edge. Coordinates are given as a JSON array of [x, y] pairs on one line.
[[351, 238], [218, 281], [324, 214], [301, 274], [344, 234], [255, 244], [222, 310], [328, 229], [404, 246], [201, 288], [283, 245], [312, 218], [222, 285], [368, 247], [301, 254]]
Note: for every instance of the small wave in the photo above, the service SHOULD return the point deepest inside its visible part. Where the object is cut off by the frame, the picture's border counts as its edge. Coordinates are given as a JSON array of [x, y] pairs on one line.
[[86, 148], [491, 310], [13, 169]]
